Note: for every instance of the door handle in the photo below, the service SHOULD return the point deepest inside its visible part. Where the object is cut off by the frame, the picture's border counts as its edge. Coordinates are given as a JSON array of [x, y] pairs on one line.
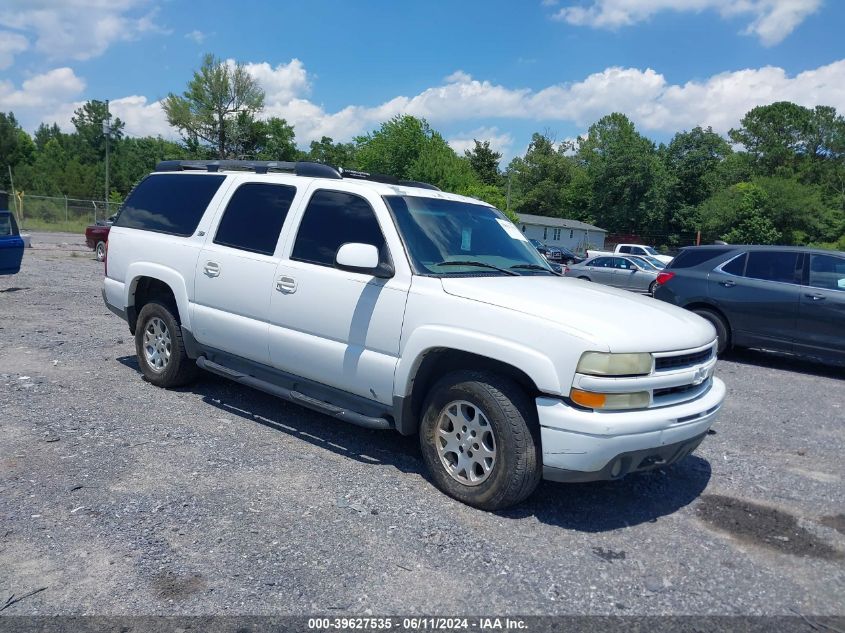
[[727, 283], [212, 269], [815, 296], [286, 285]]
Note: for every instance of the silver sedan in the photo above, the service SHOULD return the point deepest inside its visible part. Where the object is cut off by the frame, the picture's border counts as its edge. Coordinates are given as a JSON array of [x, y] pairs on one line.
[[630, 273]]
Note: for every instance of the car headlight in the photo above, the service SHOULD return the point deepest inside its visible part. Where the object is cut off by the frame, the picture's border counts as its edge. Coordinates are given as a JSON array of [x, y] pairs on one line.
[[603, 364], [610, 401]]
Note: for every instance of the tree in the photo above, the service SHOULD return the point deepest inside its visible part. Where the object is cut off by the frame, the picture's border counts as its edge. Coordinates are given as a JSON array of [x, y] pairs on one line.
[[208, 110], [16, 147], [328, 152], [740, 215], [775, 135], [88, 121], [484, 162], [539, 179], [628, 180], [394, 147], [693, 160]]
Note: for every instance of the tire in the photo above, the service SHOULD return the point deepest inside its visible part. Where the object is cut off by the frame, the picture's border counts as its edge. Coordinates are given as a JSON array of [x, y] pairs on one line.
[[585, 278], [723, 331], [100, 251], [160, 349], [503, 419], [651, 287]]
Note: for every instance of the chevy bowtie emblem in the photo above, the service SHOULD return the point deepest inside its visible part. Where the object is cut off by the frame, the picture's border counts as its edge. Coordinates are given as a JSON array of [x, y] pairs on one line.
[[700, 376]]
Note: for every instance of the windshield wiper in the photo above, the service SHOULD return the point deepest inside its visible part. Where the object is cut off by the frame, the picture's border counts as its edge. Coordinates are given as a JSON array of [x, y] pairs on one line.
[[533, 267], [473, 263]]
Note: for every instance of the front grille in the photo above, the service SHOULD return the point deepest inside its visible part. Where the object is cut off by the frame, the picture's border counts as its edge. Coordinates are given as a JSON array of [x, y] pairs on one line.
[[684, 360], [668, 391]]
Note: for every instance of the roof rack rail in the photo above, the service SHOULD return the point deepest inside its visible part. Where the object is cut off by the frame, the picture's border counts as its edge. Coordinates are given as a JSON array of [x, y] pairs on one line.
[[300, 168]]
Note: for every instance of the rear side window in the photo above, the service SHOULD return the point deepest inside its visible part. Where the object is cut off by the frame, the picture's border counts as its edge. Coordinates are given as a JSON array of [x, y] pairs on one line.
[[690, 257], [254, 217], [169, 203], [774, 266], [6, 225], [332, 219], [624, 249], [736, 266], [827, 271]]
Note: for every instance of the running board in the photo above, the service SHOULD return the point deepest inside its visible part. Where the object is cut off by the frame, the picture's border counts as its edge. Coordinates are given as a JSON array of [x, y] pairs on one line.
[[294, 396]]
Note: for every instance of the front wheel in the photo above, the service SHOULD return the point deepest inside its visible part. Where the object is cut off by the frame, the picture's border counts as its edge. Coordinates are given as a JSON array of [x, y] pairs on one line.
[[160, 349], [723, 333], [480, 439]]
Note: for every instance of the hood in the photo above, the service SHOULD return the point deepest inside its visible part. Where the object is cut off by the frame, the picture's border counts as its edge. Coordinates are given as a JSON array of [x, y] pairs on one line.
[[624, 321]]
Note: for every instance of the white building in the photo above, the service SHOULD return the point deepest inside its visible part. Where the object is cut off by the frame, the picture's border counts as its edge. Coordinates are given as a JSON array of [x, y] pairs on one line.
[[572, 234]]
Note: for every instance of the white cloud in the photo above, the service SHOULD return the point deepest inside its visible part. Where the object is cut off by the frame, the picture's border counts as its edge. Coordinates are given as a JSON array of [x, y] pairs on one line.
[[78, 29], [654, 104], [10, 45], [501, 142], [197, 36], [40, 93], [771, 20]]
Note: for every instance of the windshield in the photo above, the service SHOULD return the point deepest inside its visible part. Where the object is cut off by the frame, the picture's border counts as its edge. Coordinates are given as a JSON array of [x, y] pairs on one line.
[[650, 250], [645, 263], [447, 237]]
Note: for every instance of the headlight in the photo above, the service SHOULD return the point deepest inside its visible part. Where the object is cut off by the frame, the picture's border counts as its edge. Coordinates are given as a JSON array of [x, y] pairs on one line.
[[610, 401], [602, 364]]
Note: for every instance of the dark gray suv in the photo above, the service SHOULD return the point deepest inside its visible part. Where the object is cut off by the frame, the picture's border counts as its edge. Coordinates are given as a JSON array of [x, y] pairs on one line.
[[784, 298]]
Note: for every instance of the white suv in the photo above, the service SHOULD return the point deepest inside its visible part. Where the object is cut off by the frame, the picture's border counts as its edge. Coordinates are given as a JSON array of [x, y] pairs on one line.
[[393, 305]]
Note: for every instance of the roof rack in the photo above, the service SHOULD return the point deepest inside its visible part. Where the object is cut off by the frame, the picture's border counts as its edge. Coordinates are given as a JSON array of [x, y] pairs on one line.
[[299, 168]]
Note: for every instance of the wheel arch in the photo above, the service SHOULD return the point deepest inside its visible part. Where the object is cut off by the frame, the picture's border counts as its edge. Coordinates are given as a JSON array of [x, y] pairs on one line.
[[165, 285]]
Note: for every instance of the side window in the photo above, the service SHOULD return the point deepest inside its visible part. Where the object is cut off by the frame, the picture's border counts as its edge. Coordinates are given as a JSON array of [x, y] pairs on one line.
[[827, 271], [169, 203], [334, 218], [254, 217], [774, 266], [736, 266], [600, 262], [5, 225], [624, 249], [623, 264]]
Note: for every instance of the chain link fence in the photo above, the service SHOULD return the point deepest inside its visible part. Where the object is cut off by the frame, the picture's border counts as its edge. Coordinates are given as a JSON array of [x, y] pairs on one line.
[[59, 213]]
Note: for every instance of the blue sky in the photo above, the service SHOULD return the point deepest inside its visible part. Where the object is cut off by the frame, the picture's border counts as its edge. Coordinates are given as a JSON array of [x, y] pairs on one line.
[[486, 69]]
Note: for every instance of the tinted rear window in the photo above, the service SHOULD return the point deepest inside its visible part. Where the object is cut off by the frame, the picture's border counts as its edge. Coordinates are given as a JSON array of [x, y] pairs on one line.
[[7, 225], [690, 257], [169, 203], [774, 266], [254, 217]]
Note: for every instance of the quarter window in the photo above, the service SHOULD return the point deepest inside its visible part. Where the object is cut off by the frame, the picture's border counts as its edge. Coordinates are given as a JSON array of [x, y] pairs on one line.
[[784, 267], [169, 203], [827, 271], [736, 266], [332, 219], [254, 217]]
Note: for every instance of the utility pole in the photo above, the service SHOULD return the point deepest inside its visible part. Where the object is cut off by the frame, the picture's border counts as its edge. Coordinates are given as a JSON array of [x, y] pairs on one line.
[[106, 133]]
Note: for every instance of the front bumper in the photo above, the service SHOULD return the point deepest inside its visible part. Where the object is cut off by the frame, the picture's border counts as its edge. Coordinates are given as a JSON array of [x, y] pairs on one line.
[[581, 445]]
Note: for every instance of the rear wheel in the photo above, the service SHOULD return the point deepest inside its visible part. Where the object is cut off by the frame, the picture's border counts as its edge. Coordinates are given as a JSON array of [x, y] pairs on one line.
[[723, 332], [480, 440], [651, 287], [160, 349], [100, 250]]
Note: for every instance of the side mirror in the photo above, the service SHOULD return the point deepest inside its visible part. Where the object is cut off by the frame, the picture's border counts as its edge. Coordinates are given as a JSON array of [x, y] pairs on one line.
[[362, 258]]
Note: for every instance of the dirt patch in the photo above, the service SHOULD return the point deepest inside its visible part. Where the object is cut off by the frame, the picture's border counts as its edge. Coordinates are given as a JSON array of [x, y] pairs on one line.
[[761, 525], [837, 522], [173, 587]]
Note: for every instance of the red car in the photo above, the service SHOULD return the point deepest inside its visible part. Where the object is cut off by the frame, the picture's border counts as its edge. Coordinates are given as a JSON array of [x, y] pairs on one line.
[[96, 236]]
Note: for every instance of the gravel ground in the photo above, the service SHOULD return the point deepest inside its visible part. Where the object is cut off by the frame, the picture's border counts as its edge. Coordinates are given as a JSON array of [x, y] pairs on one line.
[[121, 498]]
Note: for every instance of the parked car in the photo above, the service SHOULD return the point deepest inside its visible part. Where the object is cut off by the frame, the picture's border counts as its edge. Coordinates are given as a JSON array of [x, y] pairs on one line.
[[633, 249], [653, 261], [11, 243], [97, 235], [439, 324], [630, 273], [783, 298], [553, 254]]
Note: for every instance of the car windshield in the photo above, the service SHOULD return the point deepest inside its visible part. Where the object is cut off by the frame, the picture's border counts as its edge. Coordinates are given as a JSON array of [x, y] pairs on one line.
[[650, 251], [448, 237], [645, 263]]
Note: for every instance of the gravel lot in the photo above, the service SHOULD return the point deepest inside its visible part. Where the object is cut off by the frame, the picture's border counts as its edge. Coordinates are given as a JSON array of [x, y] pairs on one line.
[[121, 498]]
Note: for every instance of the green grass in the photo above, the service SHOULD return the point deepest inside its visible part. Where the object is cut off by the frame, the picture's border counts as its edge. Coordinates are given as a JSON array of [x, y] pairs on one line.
[[72, 226]]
